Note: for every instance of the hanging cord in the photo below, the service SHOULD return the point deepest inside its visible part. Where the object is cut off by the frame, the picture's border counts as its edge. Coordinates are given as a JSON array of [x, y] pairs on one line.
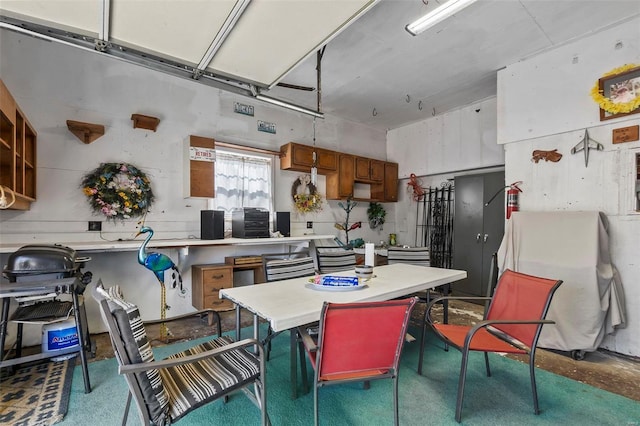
[[514, 185]]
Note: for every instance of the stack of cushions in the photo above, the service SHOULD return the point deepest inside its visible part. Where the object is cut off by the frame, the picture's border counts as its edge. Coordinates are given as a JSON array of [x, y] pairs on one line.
[[172, 392]]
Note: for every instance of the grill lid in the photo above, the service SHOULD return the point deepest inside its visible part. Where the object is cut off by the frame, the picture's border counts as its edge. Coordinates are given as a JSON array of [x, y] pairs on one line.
[[36, 259]]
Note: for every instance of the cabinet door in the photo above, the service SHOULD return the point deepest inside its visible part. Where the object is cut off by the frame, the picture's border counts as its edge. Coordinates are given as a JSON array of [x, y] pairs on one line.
[[201, 173], [376, 170], [368, 170], [326, 161], [391, 182], [362, 168], [340, 183], [493, 222], [467, 234], [299, 158], [478, 229]]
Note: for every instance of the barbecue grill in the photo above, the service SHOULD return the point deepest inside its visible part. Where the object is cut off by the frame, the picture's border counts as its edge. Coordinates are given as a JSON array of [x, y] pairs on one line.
[[37, 275]]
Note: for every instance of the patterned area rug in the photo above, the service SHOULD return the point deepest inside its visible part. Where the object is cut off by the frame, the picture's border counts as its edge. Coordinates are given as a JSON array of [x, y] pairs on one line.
[[36, 394]]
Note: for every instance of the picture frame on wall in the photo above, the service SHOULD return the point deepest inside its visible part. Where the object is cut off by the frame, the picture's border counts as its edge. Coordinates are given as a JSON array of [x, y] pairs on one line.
[[620, 88]]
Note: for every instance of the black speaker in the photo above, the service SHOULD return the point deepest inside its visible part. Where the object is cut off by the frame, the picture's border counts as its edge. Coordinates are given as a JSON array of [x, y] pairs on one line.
[[211, 224], [283, 223]]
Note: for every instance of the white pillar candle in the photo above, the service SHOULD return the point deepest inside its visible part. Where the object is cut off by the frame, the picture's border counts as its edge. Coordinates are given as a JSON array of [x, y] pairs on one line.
[[369, 254]]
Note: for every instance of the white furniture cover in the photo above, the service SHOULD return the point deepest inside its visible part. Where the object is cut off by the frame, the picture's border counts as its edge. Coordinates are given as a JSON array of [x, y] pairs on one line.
[[573, 247]]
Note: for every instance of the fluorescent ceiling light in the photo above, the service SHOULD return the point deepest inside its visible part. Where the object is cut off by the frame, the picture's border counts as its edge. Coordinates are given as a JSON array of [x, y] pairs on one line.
[[437, 15], [287, 105]]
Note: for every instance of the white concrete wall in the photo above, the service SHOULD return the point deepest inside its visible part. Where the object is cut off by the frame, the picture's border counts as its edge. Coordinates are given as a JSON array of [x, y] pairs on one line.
[[459, 142], [53, 83], [544, 103]]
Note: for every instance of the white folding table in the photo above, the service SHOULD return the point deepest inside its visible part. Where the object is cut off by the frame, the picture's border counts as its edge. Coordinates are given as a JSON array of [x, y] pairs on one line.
[[291, 303]]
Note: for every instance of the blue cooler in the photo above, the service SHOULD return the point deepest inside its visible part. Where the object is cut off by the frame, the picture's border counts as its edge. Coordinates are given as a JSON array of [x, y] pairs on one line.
[[59, 336]]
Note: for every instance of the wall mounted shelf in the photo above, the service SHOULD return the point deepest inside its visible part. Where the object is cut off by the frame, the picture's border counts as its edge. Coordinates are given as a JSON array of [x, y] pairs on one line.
[[86, 132], [145, 122]]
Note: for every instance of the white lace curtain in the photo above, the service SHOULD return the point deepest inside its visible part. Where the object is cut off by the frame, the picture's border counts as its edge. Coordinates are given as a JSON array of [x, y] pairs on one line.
[[242, 181]]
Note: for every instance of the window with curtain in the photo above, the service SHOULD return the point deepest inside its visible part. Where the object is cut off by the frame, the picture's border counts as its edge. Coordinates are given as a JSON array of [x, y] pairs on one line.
[[242, 180]]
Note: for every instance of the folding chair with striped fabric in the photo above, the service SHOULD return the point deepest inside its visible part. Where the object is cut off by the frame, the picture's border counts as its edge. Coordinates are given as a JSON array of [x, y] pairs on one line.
[[334, 259], [413, 255]]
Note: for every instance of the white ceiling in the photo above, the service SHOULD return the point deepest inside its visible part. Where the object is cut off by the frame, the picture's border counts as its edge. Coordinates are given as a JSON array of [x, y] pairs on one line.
[[370, 62]]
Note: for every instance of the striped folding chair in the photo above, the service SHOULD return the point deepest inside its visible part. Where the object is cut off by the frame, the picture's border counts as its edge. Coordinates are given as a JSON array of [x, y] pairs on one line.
[[334, 259]]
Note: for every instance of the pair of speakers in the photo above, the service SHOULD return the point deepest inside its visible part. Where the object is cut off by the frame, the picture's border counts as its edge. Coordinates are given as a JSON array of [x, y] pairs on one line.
[[212, 224]]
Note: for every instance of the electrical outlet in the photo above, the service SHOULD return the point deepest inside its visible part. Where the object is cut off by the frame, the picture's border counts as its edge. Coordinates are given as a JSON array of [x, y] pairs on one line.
[[309, 225], [95, 225]]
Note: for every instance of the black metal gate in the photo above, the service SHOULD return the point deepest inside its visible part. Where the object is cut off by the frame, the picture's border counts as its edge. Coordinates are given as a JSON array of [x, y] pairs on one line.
[[434, 224]]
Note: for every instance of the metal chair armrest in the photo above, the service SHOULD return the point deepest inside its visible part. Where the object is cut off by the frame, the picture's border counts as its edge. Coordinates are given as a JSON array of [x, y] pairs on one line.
[[487, 323], [166, 363]]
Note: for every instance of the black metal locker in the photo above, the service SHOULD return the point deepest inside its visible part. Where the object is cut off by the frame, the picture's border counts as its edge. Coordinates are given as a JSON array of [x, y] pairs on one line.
[[478, 229]]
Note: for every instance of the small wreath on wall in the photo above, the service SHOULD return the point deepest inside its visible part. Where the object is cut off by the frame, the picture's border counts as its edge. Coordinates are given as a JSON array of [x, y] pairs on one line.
[[306, 198], [118, 190], [618, 91]]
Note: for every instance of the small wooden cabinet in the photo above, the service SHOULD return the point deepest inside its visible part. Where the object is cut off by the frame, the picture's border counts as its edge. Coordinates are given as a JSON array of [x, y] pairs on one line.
[[299, 158], [387, 190], [340, 183], [369, 170], [207, 281], [17, 152], [199, 166]]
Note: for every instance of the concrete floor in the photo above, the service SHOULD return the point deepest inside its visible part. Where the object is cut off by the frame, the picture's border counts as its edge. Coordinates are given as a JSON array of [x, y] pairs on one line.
[[602, 369]]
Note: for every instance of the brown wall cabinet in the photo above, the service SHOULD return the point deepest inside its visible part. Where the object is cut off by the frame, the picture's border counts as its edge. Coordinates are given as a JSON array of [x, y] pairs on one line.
[[299, 158], [200, 167], [207, 281], [340, 183], [387, 190], [369, 170], [343, 171], [17, 152]]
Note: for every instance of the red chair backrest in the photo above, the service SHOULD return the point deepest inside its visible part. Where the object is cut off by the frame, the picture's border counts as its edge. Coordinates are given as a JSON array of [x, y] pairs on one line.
[[362, 336], [521, 297]]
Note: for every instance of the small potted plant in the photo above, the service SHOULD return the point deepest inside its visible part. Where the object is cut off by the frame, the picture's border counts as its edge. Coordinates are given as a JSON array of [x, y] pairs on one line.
[[376, 214]]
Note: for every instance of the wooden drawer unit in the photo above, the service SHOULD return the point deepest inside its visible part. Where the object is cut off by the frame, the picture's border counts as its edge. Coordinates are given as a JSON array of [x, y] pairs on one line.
[[207, 281]]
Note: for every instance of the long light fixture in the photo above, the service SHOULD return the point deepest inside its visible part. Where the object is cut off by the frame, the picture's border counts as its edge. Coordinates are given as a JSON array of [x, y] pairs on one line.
[[437, 15], [287, 105]]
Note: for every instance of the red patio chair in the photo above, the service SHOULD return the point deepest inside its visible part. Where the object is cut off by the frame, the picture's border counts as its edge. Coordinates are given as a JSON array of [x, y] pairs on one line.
[[349, 349], [512, 324]]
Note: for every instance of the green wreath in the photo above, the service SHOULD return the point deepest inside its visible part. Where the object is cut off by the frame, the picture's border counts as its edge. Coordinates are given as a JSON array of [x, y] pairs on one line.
[[306, 202], [118, 190]]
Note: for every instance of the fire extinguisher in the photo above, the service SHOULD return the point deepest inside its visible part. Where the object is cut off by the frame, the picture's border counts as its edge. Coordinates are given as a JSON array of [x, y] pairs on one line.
[[512, 198]]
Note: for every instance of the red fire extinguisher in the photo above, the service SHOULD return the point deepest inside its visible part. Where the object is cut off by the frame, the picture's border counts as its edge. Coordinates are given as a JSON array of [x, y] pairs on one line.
[[512, 198]]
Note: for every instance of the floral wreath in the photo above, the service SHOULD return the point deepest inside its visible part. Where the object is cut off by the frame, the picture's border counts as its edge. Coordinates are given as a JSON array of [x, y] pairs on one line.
[[606, 103], [306, 202], [118, 191]]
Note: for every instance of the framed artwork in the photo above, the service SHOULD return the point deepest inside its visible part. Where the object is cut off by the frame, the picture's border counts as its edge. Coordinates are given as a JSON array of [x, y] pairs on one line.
[[619, 94]]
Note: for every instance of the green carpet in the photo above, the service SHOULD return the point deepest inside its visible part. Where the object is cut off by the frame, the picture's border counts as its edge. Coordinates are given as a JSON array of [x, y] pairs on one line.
[[503, 399]]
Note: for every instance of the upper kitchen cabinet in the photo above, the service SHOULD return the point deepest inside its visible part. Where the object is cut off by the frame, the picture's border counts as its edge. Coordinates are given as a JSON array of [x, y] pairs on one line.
[[17, 152], [369, 170], [340, 184], [299, 158], [387, 190]]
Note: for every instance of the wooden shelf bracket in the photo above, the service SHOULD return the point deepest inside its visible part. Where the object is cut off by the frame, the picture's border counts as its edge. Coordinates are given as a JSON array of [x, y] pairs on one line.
[[145, 122], [86, 132]]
